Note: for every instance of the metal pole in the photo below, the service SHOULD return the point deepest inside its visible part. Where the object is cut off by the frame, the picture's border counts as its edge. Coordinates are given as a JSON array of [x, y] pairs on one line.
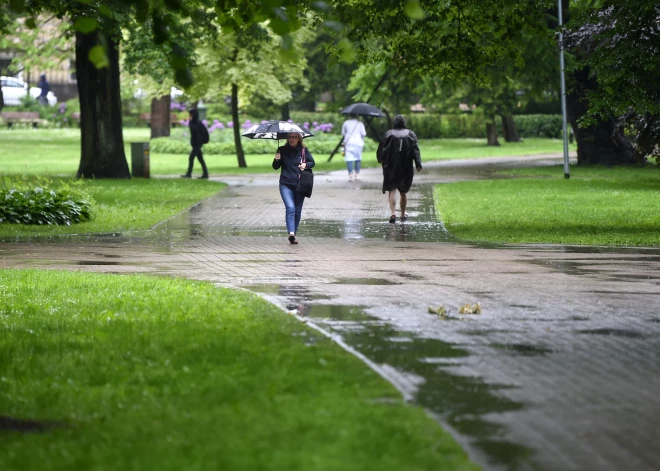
[[567, 173]]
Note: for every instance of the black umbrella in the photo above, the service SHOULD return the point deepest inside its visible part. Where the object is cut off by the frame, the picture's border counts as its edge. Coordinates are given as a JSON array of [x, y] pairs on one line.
[[275, 130], [363, 109]]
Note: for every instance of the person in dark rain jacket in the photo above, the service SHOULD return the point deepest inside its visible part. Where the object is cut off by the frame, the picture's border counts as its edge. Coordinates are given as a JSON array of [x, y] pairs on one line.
[[397, 152], [196, 142], [290, 159]]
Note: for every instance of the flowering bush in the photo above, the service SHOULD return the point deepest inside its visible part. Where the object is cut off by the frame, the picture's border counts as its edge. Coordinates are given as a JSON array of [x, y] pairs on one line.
[[175, 106], [62, 115]]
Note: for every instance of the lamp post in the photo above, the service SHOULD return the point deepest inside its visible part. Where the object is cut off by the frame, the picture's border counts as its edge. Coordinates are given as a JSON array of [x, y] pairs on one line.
[[567, 173]]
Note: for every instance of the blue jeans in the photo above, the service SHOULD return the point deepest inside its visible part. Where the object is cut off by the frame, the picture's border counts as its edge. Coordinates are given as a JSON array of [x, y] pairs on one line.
[[349, 165], [293, 202]]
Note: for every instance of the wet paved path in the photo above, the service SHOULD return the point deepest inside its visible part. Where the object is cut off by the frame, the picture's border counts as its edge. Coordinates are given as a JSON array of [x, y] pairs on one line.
[[561, 371]]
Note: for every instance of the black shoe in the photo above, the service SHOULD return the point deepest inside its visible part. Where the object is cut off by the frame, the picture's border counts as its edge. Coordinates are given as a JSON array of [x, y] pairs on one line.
[[392, 219], [292, 239], [204, 176], [404, 218], [186, 176]]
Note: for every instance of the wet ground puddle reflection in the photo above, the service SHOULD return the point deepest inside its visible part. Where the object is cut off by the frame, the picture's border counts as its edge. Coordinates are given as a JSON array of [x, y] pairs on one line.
[[460, 402]]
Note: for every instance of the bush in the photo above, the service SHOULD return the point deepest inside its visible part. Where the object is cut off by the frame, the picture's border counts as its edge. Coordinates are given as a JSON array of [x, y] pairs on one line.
[[539, 125], [222, 142], [43, 206]]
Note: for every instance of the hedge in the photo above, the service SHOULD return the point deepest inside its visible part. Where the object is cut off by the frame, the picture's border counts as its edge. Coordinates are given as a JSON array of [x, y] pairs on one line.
[[222, 142], [437, 126]]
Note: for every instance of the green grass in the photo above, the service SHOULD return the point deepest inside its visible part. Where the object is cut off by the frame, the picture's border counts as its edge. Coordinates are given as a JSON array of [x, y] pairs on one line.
[[119, 205], [596, 206], [163, 374], [57, 152]]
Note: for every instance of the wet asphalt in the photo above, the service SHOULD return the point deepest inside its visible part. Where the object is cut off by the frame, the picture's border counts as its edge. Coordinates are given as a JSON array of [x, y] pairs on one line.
[[559, 371]]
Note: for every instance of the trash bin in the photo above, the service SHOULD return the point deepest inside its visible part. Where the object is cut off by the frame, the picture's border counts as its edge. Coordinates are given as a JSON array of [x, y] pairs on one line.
[[140, 159], [202, 112]]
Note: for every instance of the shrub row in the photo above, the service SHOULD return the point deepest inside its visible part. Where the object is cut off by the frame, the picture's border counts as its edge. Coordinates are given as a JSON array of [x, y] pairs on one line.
[[437, 126], [222, 142], [43, 206]]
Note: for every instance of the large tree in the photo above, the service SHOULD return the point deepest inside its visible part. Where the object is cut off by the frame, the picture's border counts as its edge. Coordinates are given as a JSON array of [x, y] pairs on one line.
[[97, 27], [614, 78]]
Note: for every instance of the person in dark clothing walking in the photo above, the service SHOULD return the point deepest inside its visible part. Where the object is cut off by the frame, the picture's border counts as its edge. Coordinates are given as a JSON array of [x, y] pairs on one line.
[[292, 158], [45, 88], [197, 134], [396, 152]]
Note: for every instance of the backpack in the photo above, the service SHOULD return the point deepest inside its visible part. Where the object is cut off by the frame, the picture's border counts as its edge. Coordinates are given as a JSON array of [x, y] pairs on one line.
[[395, 151], [204, 134]]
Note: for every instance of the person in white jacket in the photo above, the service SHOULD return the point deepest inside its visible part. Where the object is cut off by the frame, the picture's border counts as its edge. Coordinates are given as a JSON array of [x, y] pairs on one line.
[[353, 133]]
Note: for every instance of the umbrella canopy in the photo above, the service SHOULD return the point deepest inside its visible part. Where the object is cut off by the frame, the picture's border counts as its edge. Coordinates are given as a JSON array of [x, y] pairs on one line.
[[275, 130], [363, 109]]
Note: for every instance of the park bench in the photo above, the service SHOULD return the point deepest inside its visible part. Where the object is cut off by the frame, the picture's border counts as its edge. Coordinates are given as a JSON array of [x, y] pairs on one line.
[[11, 117], [146, 117]]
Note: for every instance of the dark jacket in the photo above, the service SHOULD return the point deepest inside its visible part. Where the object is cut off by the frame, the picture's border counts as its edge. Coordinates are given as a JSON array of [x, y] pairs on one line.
[[195, 127], [398, 174], [44, 85], [290, 158]]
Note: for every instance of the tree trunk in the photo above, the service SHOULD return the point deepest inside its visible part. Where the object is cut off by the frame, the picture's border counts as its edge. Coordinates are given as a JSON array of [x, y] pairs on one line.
[[602, 143], [160, 116], [237, 128], [102, 144], [285, 115], [491, 133], [509, 129]]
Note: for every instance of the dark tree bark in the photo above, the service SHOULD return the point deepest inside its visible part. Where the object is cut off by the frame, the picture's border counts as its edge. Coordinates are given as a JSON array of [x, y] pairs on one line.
[[160, 116], [237, 128], [491, 134], [509, 129], [2, 100], [603, 143], [102, 144], [285, 114]]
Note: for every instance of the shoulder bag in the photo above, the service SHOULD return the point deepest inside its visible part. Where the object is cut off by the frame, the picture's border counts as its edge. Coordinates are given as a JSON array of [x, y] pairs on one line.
[[305, 179]]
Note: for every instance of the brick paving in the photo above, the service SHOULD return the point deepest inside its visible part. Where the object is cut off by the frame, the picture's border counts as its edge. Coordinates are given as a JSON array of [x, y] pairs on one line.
[[561, 371]]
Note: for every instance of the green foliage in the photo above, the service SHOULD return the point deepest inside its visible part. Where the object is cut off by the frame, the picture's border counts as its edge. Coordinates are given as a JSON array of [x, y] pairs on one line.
[[450, 40], [540, 125], [119, 205], [43, 206]]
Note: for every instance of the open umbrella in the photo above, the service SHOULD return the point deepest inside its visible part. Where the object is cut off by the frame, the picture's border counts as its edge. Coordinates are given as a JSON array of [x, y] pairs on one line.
[[363, 109], [275, 130]]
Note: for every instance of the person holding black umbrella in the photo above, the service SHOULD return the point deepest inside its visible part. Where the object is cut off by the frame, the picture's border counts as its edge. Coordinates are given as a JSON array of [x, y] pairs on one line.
[[353, 133], [291, 159]]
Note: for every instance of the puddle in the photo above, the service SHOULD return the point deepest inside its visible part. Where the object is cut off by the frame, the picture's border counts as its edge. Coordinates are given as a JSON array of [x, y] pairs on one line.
[[337, 313], [522, 348], [12, 424], [460, 401], [364, 281], [96, 262], [614, 333], [296, 293]]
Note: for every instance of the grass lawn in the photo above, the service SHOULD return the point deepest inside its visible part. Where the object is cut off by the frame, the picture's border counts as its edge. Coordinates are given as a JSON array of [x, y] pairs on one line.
[[596, 206], [57, 152], [153, 373], [119, 205]]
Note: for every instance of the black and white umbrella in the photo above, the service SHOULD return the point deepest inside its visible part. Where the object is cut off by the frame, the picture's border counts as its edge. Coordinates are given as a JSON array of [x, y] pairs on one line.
[[363, 109], [275, 130]]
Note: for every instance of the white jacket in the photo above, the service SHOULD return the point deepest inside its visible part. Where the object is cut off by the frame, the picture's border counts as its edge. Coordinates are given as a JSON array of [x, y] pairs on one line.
[[353, 132]]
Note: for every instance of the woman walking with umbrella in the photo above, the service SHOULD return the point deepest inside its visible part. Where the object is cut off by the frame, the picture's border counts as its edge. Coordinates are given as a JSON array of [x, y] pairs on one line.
[[292, 158]]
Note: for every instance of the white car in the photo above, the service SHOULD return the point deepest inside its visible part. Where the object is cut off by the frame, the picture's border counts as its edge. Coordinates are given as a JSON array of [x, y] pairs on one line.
[[14, 89]]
